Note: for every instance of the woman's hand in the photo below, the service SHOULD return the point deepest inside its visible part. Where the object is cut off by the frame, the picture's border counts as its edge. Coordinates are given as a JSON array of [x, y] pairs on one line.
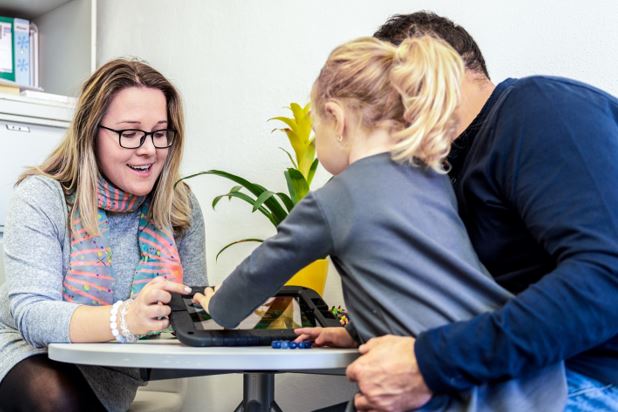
[[331, 336], [149, 311], [204, 299]]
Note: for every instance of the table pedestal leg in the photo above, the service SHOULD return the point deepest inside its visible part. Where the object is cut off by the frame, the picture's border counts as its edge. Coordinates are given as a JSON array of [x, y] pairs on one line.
[[258, 393]]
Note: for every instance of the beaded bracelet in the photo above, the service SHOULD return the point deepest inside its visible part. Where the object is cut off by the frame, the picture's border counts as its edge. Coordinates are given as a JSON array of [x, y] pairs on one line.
[[113, 322], [126, 333]]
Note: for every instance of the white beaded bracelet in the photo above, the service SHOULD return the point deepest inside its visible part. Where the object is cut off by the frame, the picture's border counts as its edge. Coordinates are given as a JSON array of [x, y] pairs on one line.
[[126, 333], [113, 322]]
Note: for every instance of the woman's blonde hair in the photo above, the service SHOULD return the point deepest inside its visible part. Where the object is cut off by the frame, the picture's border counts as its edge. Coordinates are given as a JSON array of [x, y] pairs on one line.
[[412, 89], [73, 163]]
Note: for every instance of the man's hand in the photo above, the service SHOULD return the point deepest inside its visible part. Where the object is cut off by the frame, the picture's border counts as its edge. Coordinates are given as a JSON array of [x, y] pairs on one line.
[[388, 376]]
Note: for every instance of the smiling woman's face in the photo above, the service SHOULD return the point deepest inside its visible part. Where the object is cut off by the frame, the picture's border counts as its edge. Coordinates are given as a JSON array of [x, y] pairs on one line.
[[134, 171]]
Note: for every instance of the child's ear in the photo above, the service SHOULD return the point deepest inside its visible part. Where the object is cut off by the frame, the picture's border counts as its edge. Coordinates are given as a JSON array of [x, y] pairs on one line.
[[336, 110]]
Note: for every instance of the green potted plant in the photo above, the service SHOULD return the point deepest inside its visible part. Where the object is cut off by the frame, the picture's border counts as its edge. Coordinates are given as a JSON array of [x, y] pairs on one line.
[[275, 206]]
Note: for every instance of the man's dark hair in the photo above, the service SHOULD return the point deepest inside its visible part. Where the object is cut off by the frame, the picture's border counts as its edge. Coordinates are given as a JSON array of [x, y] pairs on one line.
[[401, 26]]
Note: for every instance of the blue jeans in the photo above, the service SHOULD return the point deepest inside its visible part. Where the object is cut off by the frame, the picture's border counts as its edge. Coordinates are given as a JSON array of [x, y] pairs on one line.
[[588, 395], [585, 395]]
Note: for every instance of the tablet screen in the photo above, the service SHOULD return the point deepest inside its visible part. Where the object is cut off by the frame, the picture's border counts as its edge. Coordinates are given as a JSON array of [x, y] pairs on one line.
[[280, 312]]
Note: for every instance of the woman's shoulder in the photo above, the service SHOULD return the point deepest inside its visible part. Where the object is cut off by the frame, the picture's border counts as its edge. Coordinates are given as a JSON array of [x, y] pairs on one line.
[[196, 218], [38, 201], [196, 211], [192, 199], [40, 188]]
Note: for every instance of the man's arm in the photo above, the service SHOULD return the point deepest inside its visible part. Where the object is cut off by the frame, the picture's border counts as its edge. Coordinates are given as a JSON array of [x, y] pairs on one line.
[[561, 178]]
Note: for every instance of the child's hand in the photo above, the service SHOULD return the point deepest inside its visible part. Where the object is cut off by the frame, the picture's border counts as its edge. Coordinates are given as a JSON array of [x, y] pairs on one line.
[[204, 299], [331, 336]]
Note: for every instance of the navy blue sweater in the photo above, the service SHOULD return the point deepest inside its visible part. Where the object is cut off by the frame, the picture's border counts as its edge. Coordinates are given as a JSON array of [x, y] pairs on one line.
[[536, 177]]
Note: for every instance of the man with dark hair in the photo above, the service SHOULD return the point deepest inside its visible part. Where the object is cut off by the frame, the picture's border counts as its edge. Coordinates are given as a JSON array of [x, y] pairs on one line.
[[535, 170], [402, 26]]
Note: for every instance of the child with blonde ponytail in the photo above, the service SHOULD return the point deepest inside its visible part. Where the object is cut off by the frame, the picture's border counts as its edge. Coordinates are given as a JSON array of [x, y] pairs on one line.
[[384, 119]]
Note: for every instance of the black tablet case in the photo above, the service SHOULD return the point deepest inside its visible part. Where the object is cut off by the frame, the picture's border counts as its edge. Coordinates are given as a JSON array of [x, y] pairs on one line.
[[182, 321]]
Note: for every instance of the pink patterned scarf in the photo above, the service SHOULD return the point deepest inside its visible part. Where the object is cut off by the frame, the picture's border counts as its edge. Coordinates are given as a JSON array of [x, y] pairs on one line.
[[90, 279]]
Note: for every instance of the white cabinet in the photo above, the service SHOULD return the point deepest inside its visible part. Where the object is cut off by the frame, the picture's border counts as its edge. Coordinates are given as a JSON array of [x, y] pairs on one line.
[[29, 130], [67, 40]]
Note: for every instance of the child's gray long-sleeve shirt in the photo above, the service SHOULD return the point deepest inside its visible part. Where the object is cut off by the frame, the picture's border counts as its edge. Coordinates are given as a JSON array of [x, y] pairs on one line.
[[36, 246], [406, 264]]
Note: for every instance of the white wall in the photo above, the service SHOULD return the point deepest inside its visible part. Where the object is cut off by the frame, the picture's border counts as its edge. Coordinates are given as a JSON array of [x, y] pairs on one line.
[[239, 62], [1, 261]]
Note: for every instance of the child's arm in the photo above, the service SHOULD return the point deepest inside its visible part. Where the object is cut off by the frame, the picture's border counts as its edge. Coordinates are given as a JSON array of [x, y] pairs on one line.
[[301, 238]]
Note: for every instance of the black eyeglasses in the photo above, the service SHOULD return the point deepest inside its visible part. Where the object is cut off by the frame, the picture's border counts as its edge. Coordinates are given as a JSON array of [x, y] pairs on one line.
[[134, 138]]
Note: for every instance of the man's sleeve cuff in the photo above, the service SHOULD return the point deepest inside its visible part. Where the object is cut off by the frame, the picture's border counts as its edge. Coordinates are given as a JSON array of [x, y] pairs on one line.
[[432, 368]]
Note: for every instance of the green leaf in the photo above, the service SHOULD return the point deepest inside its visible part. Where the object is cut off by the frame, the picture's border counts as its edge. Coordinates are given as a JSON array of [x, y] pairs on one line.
[[187, 177], [216, 200], [235, 189], [277, 211], [235, 243], [297, 185], [252, 187], [228, 195], [261, 199], [251, 201], [286, 201], [312, 170]]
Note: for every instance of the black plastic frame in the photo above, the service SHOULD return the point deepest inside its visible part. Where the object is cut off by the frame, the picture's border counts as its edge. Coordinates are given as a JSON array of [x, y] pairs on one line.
[[185, 330]]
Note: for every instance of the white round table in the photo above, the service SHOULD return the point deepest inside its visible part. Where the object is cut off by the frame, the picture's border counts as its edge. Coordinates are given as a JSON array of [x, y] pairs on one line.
[[257, 363]]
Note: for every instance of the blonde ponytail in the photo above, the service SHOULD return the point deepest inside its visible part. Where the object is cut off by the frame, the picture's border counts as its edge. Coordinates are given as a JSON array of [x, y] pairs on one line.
[[427, 73], [411, 90]]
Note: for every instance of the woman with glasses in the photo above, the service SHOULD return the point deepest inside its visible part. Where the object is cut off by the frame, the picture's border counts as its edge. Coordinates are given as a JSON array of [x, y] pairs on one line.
[[97, 238]]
